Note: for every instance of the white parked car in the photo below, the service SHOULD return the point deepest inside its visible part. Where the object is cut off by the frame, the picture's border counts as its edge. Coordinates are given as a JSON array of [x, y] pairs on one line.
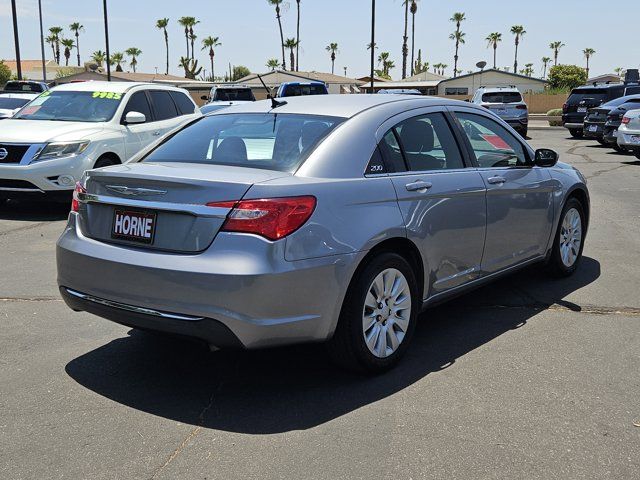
[[48, 145], [10, 103], [629, 132]]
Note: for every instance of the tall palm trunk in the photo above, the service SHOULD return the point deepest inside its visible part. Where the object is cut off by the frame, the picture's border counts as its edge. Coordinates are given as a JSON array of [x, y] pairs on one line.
[[455, 57], [405, 39], [186, 36], [78, 46], [193, 50], [58, 52], [284, 58], [333, 61], [293, 59], [413, 41], [587, 67], [515, 62], [166, 44], [555, 57], [495, 55], [298, 39], [211, 56]]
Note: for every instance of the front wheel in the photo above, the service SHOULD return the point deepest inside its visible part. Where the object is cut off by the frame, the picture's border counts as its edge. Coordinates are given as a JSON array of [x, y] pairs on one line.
[[602, 142], [576, 132], [378, 316], [568, 244], [637, 154], [619, 149]]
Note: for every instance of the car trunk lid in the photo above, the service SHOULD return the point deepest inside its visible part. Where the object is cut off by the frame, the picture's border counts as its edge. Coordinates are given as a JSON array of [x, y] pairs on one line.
[[163, 206]]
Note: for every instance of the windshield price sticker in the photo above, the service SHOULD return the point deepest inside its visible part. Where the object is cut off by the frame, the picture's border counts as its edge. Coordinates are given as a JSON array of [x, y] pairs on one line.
[[107, 95]]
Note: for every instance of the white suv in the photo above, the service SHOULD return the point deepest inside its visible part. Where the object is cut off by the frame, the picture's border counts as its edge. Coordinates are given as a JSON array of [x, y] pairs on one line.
[[629, 132], [52, 141], [507, 103]]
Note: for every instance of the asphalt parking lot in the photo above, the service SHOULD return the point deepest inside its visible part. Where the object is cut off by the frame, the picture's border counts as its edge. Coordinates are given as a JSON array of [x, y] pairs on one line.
[[526, 378]]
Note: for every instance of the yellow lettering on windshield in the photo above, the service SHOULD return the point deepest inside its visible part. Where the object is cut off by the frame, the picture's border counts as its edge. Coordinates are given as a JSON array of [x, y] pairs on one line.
[[107, 95]]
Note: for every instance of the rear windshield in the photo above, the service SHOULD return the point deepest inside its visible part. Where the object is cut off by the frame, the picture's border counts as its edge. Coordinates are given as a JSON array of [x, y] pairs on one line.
[[67, 106], [231, 94], [23, 87], [269, 141], [12, 103], [598, 94], [616, 102], [502, 97], [300, 90]]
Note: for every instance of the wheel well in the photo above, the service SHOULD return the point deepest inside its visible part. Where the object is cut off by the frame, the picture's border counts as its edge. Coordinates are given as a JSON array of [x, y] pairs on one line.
[[582, 197], [108, 155], [403, 247]]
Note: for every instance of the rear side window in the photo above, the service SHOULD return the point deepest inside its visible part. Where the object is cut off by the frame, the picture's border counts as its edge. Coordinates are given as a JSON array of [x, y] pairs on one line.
[[233, 94], [183, 102], [599, 94], [163, 105], [301, 90], [502, 97], [138, 103]]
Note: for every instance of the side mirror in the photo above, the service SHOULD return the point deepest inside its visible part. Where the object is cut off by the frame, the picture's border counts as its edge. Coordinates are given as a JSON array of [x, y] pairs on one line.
[[546, 157], [134, 117], [204, 97]]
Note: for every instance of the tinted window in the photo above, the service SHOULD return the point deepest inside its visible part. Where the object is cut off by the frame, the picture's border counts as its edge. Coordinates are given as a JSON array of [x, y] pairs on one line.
[[456, 91], [632, 90], [390, 149], [68, 106], [12, 103], [630, 104], [491, 143], [376, 164], [429, 144], [599, 94], [184, 103], [502, 97], [163, 105], [23, 87], [269, 141], [138, 103], [233, 94], [300, 90]]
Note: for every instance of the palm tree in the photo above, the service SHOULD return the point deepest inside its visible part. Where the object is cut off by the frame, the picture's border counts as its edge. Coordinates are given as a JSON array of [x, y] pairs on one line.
[[619, 71], [519, 32], [545, 62], [387, 67], [413, 8], [588, 53], [443, 68], [528, 70], [186, 22], [291, 44], [273, 64], [277, 3], [162, 24], [494, 39], [116, 59], [99, 57], [76, 28], [383, 57], [211, 43], [134, 53], [405, 39], [193, 36], [298, 38], [51, 40], [333, 49], [458, 36], [556, 46], [55, 33], [68, 45]]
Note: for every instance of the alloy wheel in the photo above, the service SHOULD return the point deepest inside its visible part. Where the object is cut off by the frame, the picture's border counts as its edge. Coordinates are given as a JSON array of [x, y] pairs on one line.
[[570, 237]]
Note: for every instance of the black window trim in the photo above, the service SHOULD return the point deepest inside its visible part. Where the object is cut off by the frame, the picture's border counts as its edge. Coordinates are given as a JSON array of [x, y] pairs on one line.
[[177, 92], [153, 105], [146, 94]]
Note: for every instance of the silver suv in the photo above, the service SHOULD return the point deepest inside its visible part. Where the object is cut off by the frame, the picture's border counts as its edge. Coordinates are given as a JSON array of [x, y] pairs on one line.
[[507, 103]]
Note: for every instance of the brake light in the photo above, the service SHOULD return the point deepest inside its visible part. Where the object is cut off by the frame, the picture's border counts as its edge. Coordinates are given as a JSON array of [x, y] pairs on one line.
[[272, 218], [75, 202], [521, 107], [565, 107], [626, 120]]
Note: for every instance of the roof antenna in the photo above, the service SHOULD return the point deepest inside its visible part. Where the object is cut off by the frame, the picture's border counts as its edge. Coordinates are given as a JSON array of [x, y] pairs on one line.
[[274, 103]]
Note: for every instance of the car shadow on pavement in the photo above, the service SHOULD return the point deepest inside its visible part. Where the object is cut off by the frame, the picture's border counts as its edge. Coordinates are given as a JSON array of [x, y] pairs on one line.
[[296, 388], [32, 211]]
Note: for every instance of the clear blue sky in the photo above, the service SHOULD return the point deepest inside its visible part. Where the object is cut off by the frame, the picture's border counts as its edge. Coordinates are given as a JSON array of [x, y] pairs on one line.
[[249, 35]]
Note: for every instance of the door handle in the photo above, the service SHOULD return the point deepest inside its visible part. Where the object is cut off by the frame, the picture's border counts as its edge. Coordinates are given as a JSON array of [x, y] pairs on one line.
[[496, 180], [157, 134], [419, 186]]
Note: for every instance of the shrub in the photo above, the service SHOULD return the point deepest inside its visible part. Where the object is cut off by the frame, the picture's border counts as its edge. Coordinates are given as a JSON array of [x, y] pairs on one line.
[[5, 73], [555, 112], [567, 77]]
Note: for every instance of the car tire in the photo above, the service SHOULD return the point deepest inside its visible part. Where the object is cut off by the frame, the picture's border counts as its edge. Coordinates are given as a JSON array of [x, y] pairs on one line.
[[569, 241], [389, 332], [637, 154], [602, 142], [619, 149], [106, 161], [576, 133]]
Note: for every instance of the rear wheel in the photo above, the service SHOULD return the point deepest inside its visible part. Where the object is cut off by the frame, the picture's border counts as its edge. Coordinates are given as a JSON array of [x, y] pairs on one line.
[[378, 316], [576, 132], [619, 149], [568, 244]]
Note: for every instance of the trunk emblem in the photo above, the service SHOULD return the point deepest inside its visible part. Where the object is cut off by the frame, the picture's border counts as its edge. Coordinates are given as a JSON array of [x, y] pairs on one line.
[[3, 153], [134, 192]]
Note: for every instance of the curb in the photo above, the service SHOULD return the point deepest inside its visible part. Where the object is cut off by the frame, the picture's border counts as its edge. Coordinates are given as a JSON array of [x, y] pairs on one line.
[[546, 128]]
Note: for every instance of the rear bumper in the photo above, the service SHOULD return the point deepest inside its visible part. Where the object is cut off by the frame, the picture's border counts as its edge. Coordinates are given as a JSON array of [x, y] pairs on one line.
[[241, 282], [625, 139], [574, 126], [593, 130]]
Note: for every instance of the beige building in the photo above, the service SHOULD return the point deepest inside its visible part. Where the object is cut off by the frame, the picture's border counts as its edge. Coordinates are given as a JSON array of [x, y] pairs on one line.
[[468, 84], [335, 83], [32, 69]]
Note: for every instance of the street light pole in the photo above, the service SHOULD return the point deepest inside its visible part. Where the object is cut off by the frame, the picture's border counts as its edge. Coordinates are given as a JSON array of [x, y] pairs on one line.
[[373, 39], [106, 38], [16, 39], [44, 68]]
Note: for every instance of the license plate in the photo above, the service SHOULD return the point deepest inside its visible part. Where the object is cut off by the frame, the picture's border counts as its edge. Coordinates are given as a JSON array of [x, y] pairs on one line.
[[635, 139], [593, 128], [582, 109], [134, 226], [502, 111]]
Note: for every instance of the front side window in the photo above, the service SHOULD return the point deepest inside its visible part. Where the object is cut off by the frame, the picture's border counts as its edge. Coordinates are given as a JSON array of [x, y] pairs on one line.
[[68, 106], [492, 145], [163, 105], [269, 141], [138, 103], [427, 143]]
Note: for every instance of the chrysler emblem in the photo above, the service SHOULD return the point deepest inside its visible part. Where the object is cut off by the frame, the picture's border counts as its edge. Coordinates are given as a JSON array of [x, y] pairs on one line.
[[134, 192], [3, 153]]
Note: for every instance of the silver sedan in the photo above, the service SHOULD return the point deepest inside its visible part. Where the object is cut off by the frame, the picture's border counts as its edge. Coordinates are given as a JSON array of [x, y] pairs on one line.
[[330, 219]]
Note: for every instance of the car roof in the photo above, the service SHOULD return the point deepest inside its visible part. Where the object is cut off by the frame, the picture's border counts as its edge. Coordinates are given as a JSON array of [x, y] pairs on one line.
[[506, 88], [25, 95], [115, 87], [340, 105], [310, 82]]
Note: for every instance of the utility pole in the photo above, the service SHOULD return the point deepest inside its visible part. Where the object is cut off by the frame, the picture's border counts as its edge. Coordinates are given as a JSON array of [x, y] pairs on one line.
[[106, 38], [16, 39], [44, 68], [373, 40]]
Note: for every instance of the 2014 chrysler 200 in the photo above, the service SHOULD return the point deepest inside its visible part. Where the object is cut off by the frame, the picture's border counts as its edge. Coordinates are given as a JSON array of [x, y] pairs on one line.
[[328, 218]]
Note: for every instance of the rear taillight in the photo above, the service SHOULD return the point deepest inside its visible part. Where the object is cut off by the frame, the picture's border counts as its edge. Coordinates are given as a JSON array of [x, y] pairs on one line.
[[626, 120], [565, 107], [272, 218], [521, 107], [75, 203]]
